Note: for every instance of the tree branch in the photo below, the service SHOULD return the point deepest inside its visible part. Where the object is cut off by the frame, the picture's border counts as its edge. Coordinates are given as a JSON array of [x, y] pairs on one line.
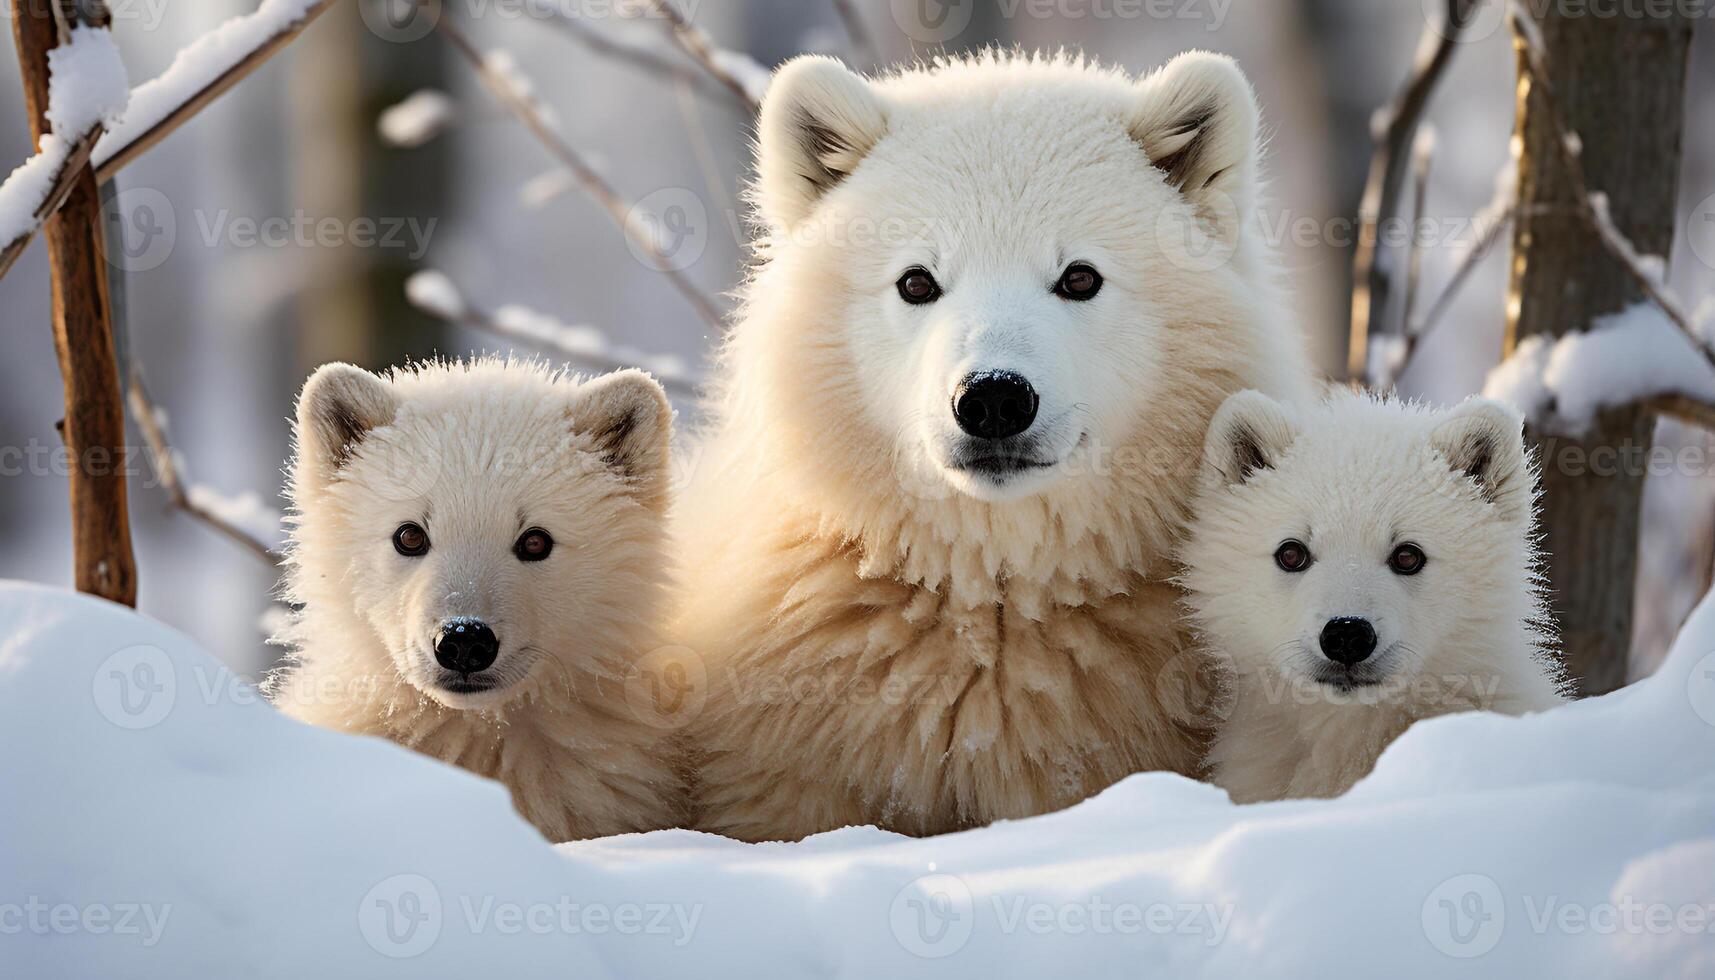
[[640, 58], [148, 419], [1396, 128], [856, 31], [618, 209], [705, 52]]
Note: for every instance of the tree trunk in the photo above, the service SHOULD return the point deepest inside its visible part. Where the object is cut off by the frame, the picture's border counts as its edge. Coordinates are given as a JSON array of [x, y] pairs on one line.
[[1619, 83], [94, 427]]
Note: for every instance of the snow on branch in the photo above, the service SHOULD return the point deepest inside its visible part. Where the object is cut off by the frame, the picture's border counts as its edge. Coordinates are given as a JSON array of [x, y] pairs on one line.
[[87, 90], [1635, 356], [737, 71], [245, 519], [502, 77], [199, 74], [435, 294]]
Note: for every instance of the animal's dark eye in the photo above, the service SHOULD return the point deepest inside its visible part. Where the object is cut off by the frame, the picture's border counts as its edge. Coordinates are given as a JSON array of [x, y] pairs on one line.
[[1079, 282], [1292, 556], [534, 545], [1407, 559], [917, 287], [411, 540]]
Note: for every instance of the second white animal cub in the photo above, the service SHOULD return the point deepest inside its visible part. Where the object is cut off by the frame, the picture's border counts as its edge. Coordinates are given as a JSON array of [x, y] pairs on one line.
[[478, 552], [1358, 567]]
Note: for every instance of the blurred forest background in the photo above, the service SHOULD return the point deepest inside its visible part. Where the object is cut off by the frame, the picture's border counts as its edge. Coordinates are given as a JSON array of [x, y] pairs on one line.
[[227, 328]]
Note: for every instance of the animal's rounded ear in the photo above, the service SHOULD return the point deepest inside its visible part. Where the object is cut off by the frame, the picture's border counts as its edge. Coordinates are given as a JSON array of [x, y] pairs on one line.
[[818, 121], [1483, 441], [1197, 120], [629, 422], [338, 408], [1250, 432]]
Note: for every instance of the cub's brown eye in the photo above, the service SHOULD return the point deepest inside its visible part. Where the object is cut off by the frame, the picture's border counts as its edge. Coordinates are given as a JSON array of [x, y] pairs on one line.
[[1407, 559], [1292, 556], [1079, 282], [411, 541], [534, 545], [917, 287]]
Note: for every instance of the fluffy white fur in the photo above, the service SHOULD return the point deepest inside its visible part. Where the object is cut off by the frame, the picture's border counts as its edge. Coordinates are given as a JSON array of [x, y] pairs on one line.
[[894, 640], [1353, 480], [477, 454]]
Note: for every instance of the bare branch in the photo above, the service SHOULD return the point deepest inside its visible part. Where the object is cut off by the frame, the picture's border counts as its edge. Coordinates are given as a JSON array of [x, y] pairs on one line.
[[641, 58], [703, 49], [621, 212], [1396, 128], [148, 419], [1684, 408]]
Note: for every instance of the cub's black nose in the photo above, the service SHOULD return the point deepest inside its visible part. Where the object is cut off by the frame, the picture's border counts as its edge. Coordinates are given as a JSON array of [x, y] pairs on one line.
[[1348, 640], [466, 645], [994, 404]]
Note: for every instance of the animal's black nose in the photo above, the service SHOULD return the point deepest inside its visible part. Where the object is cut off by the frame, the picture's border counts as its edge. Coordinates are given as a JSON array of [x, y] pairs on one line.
[[1348, 640], [994, 404], [466, 645]]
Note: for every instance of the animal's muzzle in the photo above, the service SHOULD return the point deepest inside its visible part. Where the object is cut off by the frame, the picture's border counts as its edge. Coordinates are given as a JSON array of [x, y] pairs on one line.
[[466, 645]]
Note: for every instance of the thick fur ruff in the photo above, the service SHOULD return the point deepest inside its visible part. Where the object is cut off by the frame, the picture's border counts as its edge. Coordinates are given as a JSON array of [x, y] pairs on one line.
[[1353, 480], [474, 453], [886, 641]]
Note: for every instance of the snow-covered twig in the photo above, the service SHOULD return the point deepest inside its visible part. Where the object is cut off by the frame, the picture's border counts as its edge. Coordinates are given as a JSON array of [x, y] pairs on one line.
[[618, 209], [200, 503], [737, 71], [435, 294], [201, 73], [87, 90], [1648, 273], [1395, 129]]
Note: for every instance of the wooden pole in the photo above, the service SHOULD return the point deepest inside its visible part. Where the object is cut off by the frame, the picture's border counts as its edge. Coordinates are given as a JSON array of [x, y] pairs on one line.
[[94, 428]]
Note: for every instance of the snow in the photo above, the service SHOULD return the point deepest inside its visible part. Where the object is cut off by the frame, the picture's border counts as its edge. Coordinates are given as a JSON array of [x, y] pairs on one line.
[[1623, 358], [87, 82], [86, 87], [199, 64], [750, 74], [163, 822], [435, 294], [416, 120], [247, 512]]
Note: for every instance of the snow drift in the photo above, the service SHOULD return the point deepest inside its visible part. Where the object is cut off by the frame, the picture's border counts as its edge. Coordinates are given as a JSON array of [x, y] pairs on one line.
[[159, 820]]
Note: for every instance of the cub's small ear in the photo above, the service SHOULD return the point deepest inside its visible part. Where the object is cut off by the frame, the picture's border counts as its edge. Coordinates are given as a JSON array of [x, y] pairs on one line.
[[338, 408], [628, 419], [1196, 119], [1250, 432], [818, 121], [1483, 441]]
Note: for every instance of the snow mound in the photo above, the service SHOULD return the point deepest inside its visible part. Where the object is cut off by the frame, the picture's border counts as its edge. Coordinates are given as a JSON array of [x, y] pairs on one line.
[[161, 821]]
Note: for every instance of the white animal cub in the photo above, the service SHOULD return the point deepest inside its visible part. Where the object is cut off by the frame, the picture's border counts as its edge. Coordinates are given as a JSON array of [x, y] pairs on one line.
[[479, 555], [1357, 567]]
